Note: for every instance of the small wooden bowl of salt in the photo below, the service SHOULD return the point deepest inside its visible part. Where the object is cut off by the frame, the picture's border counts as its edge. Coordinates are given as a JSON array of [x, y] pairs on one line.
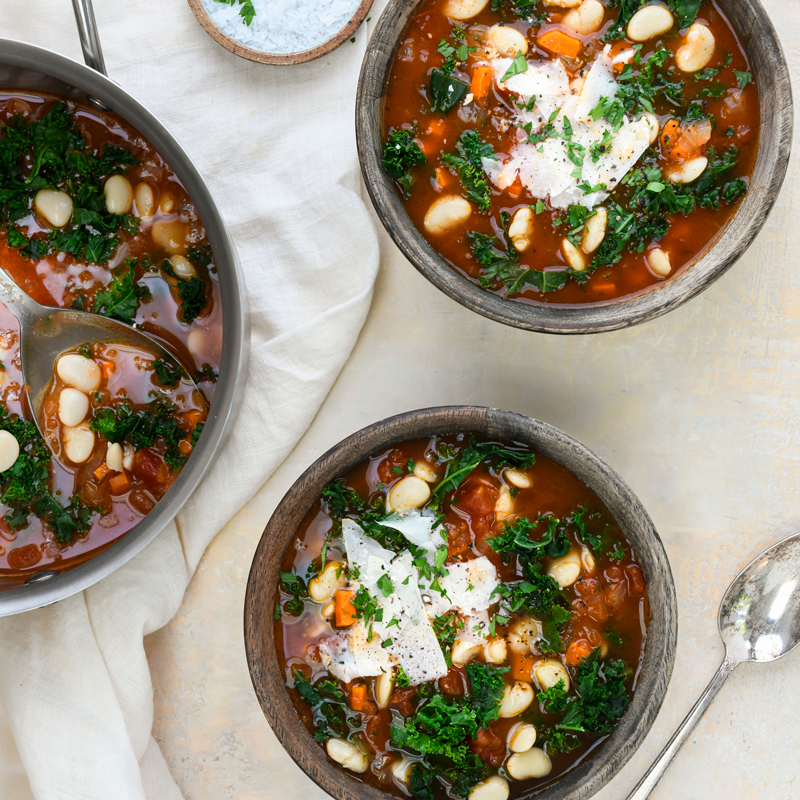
[[280, 31]]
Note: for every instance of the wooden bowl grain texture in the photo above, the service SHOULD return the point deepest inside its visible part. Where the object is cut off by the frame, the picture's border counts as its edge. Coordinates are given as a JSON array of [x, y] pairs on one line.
[[269, 680], [775, 138], [260, 57]]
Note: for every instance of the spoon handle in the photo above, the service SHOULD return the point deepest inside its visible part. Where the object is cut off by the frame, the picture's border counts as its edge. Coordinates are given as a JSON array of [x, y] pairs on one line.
[[661, 764]]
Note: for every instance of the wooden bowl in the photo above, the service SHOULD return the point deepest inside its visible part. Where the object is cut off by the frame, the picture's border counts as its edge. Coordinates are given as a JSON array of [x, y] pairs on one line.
[[239, 49], [772, 75], [269, 680]]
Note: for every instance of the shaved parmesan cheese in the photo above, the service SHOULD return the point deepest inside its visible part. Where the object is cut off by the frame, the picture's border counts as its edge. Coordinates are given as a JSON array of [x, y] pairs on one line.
[[405, 624], [420, 531], [467, 587], [548, 168]]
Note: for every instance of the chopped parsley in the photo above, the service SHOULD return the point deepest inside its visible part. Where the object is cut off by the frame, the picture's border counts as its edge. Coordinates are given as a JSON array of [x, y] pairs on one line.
[[467, 165]]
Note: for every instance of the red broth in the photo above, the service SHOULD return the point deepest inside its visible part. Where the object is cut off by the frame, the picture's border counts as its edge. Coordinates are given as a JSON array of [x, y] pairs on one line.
[[605, 601], [157, 273], [712, 94]]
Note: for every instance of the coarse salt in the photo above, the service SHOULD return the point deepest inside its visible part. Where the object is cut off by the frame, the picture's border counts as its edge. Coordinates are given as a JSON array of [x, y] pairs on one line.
[[283, 26]]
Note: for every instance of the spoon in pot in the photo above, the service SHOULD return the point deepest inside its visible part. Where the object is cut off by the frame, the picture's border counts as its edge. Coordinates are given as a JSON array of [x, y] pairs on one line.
[[759, 621], [45, 333]]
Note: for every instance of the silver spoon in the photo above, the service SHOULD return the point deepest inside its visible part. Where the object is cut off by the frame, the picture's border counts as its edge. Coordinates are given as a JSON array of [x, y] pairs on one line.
[[759, 621], [45, 333]]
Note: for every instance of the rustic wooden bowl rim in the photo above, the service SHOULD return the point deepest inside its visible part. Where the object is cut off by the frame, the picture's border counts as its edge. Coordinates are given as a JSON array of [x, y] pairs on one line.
[[261, 57], [269, 681], [776, 123]]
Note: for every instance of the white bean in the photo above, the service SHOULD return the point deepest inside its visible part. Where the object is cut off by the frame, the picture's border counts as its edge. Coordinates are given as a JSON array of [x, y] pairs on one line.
[[653, 126], [78, 443], [464, 9], [595, 230], [384, 686], [145, 201], [522, 635], [549, 672], [170, 235], [573, 256], [119, 195], [689, 171], [516, 699], [464, 650], [565, 570], [562, 3], [504, 504], [507, 41], [533, 763], [323, 587], [73, 406], [658, 261], [425, 472], [183, 267], [9, 450], [649, 22], [586, 18], [518, 478], [127, 457], [167, 204], [587, 559], [55, 207], [401, 769], [114, 457], [495, 651], [521, 737], [493, 788], [446, 213], [521, 229], [79, 372], [328, 609], [409, 492], [347, 754], [697, 50]]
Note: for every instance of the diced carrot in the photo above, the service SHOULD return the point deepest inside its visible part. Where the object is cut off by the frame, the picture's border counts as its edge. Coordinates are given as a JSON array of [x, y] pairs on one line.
[[560, 43], [185, 447], [442, 176], [192, 416], [101, 472], [691, 141], [481, 81], [358, 696], [107, 368], [119, 483], [344, 610], [436, 128], [603, 286], [577, 651], [515, 189], [670, 135], [522, 666]]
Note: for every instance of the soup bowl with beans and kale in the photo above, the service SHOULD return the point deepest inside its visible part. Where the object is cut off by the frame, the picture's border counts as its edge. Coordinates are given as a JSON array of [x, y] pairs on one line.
[[454, 610], [95, 219], [553, 163]]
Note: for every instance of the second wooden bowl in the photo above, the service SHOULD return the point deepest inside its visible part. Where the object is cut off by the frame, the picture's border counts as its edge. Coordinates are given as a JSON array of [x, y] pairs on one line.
[[772, 74], [269, 680]]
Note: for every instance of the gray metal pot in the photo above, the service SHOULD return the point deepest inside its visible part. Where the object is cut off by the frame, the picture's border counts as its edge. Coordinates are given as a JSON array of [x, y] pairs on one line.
[[35, 69]]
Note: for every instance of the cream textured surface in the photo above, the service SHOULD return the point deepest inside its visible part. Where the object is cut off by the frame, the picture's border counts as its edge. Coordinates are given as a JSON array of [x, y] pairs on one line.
[[696, 410], [75, 687]]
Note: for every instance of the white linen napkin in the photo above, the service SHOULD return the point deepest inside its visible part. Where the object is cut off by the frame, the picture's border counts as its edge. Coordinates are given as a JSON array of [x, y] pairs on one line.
[[277, 146]]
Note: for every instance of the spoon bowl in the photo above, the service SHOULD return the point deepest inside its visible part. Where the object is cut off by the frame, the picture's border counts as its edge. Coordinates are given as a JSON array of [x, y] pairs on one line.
[[45, 333], [759, 621]]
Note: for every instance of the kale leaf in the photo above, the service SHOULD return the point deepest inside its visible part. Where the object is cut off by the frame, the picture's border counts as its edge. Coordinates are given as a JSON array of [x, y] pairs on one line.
[[486, 685], [467, 165], [191, 292], [446, 91], [120, 299], [400, 155]]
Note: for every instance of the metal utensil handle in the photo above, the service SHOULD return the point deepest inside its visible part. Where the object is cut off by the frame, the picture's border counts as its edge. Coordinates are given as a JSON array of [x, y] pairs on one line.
[[87, 30], [19, 302], [661, 764]]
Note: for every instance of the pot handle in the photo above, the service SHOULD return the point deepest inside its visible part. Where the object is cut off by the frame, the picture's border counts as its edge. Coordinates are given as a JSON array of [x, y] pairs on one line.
[[87, 30]]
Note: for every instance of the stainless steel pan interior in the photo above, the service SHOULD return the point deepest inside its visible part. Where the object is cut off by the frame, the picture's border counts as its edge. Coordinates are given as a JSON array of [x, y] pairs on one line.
[[34, 69]]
